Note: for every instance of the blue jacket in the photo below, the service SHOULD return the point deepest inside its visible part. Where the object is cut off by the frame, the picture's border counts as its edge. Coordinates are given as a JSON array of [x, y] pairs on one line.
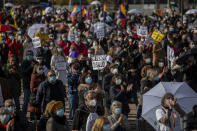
[[121, 96], [73, 82], [48, 92]]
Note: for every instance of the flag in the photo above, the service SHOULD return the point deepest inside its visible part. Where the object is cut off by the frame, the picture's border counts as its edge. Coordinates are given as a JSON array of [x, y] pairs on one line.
[[84, 12], [75, 11], [122, 10], [15, 23], [104, 11], [88, 14]]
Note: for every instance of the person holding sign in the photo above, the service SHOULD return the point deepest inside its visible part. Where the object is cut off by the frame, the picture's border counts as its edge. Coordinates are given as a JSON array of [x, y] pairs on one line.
[[42, 35], [158, 53], [59, 64]]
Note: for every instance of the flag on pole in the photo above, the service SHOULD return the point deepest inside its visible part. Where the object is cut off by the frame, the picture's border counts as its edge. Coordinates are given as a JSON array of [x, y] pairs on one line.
[[75, 11], [84, 11], [104, 11], [122, 10]]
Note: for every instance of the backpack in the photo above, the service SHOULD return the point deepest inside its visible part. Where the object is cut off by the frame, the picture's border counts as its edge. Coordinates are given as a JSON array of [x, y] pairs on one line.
[[90, 121]]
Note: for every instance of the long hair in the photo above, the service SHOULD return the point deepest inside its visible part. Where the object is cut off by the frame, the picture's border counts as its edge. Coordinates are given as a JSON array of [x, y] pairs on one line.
[[98, 124]]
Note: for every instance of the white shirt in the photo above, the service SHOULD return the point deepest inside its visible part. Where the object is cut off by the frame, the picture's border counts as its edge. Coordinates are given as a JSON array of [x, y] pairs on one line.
[[161, 113]]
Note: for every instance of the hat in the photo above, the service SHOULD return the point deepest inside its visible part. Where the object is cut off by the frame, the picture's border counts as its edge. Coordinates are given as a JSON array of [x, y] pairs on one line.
[[109, 59], [54, 106]]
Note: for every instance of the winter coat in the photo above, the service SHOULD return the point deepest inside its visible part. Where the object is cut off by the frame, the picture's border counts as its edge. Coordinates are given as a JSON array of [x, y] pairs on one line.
[[65, 47], [14, 47], [81, 115], [55, 123], [73, 82], [48, 92]]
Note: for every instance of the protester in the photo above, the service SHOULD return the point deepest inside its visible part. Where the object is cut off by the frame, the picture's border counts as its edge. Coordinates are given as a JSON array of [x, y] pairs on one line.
[[5, 117], [101, 124]]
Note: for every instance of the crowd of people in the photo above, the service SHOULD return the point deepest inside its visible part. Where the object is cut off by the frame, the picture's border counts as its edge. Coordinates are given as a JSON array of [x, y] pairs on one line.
[[60, 71]]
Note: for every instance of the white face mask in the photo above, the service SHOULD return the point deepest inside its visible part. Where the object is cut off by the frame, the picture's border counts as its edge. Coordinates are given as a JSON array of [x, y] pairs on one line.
[[89, 55], [118, 82], [169, 100], [92, 102], [115, 71], [161, 64]]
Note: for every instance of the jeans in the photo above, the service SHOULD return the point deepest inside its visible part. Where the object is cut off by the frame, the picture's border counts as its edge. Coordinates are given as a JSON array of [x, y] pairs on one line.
[[26, 100], [73, 104], [17, 102]]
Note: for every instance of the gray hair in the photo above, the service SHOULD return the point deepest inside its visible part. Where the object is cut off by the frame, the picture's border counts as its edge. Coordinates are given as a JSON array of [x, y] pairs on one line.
[[115, 103], [88, 92], [8, 101], [4, 110]]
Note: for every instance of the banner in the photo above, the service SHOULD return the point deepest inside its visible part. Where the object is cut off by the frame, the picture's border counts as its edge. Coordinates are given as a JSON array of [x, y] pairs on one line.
[[157, 36], [142, 31], [36, 42], [98, 62], [100, 30]]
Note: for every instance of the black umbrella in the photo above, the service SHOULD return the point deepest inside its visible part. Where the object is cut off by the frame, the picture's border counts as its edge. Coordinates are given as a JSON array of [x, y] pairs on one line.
[[184, 56]]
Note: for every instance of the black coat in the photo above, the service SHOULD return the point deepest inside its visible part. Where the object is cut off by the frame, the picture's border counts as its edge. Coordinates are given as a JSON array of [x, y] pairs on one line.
[[81, 115]]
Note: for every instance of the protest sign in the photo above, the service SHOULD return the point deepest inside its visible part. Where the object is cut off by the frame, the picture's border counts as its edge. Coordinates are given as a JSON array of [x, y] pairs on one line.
[[72, 37], [60, 66], [36, 42], [100, 30], [170, 53], [148, 41], [98, 62], [142, 31], [157, 36]]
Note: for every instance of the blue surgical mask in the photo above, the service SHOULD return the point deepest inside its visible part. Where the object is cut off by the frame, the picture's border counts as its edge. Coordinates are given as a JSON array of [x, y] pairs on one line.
[[29, 57], [60, 112], [88, 80], [52, 79], [59, 49], [78, 39], [11, 108], [106, 127], [64, 39], [85, 42], [3, 41], [118, 63], [4, 118], [118, 111], [51, 43], [148, 60], [156, 78], [20, 32], [40, 71], [89, 40], [46, 48], [192, 46], [95, 44], [171, 29]]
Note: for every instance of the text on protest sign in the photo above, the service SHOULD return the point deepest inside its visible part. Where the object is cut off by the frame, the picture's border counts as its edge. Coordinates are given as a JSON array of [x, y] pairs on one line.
[[100, 30], [170, 54], [157, 36], [72, 37], [61, 66], [98, 62], [36, 42], [142, 31]]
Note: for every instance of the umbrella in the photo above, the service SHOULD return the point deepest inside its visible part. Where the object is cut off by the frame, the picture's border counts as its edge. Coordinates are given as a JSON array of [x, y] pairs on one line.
[[9, 5], [109, 19], [35, 7], [35, 28], [95, 3], [186, 98], [7, 28], [191, 11], [134, 11], [182, 58], [48, 10]]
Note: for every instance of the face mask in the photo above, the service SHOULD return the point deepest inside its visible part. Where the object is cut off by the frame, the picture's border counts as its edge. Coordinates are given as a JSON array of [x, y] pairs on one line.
[[88, 80], [118, 82], [117, 111], [29, 57], [171, 29], [161, 64], [52, 79], [106, 127], [4, 119], [78, 39], [156, 78], [46, 48], [92, 103], [89, 40], [51, 43], [64, 39], [40, 71], [2, 41], [19, 32], [59, 49], [128, 31], [118, 63], [192, 46], [115, 71], [188, 39], [148, 60], [169, 100], [85, 42], [95, 44], [89, 55], [11, 109], [11, 37], [60, 112]]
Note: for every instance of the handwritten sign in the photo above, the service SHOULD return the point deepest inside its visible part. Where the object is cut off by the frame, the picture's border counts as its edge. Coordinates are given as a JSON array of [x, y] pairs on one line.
[[72, 37], [36, 42], [61, 66], [157, 36], [142, 31], [100, 30], [98, 62]]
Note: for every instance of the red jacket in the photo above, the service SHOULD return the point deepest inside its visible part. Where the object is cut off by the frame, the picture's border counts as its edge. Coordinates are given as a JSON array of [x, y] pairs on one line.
[[81, 48], [65, 47], [13, 47], [3, 126]]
